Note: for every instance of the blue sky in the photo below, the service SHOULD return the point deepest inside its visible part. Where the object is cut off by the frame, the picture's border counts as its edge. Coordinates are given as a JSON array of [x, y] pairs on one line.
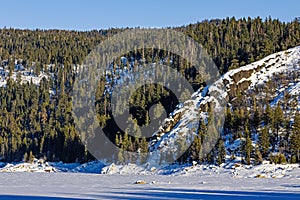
[[93, 14]]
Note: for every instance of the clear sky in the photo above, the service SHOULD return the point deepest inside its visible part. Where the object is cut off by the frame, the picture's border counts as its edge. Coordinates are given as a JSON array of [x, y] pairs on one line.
[[97, 14]]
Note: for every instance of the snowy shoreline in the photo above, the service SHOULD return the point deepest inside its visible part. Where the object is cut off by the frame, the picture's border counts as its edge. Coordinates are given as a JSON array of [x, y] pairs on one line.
[[233, 169], [94, 180]]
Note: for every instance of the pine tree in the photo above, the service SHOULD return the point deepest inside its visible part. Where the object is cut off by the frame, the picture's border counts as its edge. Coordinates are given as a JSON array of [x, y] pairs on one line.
[[258, 156], [143, 150], [264, 142], [256, 120], [295, 137], [248, 149], [278, 120], [228, 119], [195, 149], [221, 152], [268, 115], [120, 156]]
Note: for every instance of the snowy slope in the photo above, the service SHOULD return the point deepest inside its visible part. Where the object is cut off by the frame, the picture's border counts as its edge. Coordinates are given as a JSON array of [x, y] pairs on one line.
[[182, 124], [260, 72], [268, 66], [184, 121], [25, 78]]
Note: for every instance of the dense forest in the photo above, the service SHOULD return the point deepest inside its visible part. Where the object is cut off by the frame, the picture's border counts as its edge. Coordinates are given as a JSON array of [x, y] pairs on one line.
[[36, 122]]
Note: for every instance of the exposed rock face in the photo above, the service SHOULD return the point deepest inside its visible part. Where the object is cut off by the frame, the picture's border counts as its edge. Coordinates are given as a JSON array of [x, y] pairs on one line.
[[238, 81], [166, 126], [184, 121]]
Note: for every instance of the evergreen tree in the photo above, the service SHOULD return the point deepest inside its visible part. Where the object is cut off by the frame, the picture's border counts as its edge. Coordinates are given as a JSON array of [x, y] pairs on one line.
[[195, 149], [268, 116], [258, 156], [33, 120], [295, 138], [143, 150], [278, 120], [264, 142], [248, 149], [120, 157], [221, 152]]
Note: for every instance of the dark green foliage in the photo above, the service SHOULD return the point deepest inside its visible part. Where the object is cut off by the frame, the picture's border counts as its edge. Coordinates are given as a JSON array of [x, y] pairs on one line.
[[143, 150], [276, 128], [258, 156], [235, 42], [295, 138], [248, 149], [278, 120], [32, 120], [221, 152], [264, 141], [277, 159]]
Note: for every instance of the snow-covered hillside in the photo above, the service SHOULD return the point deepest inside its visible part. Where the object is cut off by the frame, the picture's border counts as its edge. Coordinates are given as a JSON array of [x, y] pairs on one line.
[[258, 73], [26, 74], [184, 121]]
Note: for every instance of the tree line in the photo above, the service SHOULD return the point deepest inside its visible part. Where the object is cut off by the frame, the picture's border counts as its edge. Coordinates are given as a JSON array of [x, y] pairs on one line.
[[33, 120]]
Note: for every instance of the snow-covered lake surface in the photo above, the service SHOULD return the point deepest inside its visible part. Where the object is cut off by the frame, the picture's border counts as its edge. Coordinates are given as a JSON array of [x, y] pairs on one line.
[[48, 186]]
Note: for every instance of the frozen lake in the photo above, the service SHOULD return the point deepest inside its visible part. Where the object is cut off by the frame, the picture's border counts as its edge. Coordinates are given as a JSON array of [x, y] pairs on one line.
[[58, 186]]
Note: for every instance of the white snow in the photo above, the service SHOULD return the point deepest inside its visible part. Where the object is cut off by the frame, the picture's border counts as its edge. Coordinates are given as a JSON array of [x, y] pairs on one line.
[[178, 182], [260, 73], [94, 180]]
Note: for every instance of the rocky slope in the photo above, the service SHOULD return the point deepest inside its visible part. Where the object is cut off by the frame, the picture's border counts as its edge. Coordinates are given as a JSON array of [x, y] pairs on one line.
[[283, 67]]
